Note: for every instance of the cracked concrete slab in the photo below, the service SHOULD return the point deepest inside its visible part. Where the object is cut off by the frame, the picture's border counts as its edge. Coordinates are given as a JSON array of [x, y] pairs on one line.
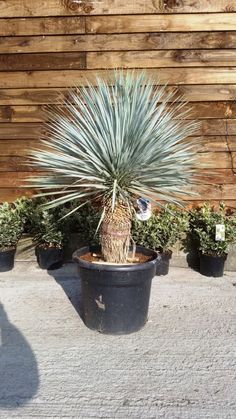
[[180, 366]]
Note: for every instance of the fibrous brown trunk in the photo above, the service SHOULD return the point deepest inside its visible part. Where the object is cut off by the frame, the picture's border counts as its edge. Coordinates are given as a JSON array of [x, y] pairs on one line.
[[115, 234]]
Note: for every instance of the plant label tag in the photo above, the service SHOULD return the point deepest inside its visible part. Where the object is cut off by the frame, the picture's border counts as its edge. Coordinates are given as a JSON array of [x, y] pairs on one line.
[[145, 209], [220, 232]]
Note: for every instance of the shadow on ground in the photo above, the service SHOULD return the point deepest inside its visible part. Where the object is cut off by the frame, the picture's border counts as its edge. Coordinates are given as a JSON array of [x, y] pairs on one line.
[[68, 279], [19, 378]]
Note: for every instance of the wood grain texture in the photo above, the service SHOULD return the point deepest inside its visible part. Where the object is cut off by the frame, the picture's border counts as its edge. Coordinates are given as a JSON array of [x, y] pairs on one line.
[[218, 127], [21, 113], [215, 160], [175, 6], [35, 96], [42, 26], [215, 143], [152, 59], [20, 131], [118, 42], [42, 61], [161, 23], [219, 177], [215, 192], [208, 92], [118, 24], [67, 78], [16, 148], [214, 110], [30, 8]]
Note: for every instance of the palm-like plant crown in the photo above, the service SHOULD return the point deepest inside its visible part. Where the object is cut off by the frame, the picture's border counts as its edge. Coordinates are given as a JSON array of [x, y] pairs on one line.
[[116, 141]]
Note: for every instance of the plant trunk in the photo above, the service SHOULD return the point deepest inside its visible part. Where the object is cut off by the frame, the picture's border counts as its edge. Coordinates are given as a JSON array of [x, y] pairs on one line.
[[115, 234]]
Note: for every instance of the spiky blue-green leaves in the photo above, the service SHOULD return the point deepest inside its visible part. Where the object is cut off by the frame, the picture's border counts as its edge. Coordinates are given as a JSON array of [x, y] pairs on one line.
[[116, 141]]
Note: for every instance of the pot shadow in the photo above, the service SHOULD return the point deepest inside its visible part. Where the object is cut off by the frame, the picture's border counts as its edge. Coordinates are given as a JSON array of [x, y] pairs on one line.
[[67, 277], [19, 378]]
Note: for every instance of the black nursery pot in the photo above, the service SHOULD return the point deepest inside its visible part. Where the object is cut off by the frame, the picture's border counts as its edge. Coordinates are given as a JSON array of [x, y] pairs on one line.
[[115, 298], [7, 258], [212, 265], [163, 263], [49, 258]]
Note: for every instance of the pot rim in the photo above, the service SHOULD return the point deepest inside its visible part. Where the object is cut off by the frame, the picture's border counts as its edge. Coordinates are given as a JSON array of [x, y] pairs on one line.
[[224, 256], [121, 268]]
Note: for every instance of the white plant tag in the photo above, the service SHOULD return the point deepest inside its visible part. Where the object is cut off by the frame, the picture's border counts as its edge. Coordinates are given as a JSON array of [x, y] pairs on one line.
[[145, 209], [220, 232]]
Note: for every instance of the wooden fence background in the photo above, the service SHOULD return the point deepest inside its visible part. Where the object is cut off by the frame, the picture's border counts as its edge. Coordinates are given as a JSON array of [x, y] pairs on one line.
[[48, 45]]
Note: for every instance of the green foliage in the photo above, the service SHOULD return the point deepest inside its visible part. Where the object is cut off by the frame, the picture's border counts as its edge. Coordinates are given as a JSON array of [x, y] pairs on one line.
[[203, 222], [44, 229], [116, 141], [25, 207], [44, 225], [52, 227], [162, 230], [11, 226], [84, 222]]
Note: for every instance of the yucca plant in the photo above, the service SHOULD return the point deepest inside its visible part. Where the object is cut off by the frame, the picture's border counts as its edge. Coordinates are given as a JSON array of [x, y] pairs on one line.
[[113, 143]]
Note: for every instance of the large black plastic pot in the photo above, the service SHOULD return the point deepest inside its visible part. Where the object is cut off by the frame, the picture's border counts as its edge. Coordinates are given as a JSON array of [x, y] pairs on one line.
[[7, 258], [212, 265], [49, 258], [164, 263], [115, 298]]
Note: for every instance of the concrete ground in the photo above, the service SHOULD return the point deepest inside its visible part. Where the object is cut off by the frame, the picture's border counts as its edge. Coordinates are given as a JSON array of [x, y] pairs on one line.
[[181, 365]]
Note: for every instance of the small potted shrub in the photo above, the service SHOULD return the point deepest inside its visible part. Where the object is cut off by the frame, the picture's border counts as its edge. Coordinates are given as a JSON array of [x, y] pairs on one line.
[[11, 227], [109, 145], [45, 229], [212, 230], [161, 232]]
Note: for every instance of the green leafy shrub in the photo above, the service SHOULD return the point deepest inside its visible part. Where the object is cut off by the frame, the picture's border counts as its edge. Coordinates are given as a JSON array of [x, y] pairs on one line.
[[45, 231], [83, 221], [11, 226], [44, 225], [203, 221], [162, 230], [25, 207], [52, 227]]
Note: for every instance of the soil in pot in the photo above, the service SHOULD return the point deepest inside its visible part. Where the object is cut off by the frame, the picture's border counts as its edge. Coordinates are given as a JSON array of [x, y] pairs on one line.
[[96, 257], [115, 298], [49, 257], [163, 263], [7, 258], [212, 265]]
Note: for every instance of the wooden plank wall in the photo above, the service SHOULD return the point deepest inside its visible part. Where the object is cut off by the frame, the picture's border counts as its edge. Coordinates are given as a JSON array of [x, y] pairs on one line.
[[49, 45]]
